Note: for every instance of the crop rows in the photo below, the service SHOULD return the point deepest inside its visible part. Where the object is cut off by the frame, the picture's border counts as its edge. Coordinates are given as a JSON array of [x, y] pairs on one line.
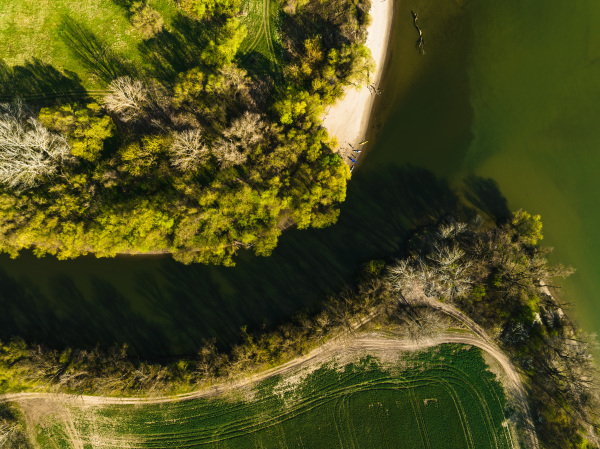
[[360, 405]]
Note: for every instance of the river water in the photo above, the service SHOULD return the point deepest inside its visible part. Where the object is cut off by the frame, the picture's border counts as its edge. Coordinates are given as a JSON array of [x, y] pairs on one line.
[[500, 113], [527, 97]]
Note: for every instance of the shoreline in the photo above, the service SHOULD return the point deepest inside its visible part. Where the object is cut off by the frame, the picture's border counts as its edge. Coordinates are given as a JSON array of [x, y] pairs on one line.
[[349, 118]]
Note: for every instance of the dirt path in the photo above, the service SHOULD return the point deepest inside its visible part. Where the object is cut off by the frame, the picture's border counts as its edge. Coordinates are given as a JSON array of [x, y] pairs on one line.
[[374, 343], [359, 343], [353, 345]]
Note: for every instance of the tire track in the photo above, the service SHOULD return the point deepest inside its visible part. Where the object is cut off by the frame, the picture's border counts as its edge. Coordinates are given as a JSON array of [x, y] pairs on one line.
[[358, 343]]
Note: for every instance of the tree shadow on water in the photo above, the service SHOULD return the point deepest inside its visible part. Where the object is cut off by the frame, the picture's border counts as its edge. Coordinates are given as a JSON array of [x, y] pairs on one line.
[[68, 316], [382, 210], [25, 312], [485, 195], [172, 307]]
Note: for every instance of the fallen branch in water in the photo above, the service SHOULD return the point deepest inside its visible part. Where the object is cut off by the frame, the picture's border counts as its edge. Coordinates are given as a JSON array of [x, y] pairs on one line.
[[420, 42]]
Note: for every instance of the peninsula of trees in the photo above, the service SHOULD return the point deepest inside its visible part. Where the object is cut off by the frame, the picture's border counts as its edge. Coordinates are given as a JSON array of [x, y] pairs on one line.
[[196, 157]]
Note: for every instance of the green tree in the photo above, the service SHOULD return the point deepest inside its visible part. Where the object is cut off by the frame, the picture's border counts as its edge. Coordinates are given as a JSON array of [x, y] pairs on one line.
[[85, 128], [201, 9], [139, 158], [528, 227], [146, 19]]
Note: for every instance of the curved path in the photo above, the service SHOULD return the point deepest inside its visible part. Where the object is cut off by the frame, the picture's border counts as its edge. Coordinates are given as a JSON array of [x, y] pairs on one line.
[[357, 343]]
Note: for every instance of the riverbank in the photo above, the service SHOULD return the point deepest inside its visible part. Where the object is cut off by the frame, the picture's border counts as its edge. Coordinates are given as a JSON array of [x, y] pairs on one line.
[[392, 355], [349, 118]]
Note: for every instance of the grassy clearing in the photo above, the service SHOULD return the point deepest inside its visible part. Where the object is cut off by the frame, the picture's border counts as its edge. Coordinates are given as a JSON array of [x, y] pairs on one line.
[[34, 29], [262, 44], [441, 398]]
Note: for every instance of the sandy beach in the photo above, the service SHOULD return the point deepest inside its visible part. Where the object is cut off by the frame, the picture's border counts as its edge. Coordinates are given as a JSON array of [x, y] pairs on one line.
[[348, 119]]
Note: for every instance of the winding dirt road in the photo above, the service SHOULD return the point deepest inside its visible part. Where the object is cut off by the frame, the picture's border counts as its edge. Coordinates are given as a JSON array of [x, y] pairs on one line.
[[361, 343], [354, 344]]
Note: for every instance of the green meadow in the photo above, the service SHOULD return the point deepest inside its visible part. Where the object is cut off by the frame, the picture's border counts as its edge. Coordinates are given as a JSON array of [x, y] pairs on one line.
[[441, 398], [34, 35]]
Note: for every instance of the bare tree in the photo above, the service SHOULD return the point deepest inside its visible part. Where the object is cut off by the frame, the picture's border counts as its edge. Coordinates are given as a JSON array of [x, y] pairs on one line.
[[127, 98], [189, 150], [228, 153], [246, 130], [5, 433], [28, 151], [235, 80], [239, 139]]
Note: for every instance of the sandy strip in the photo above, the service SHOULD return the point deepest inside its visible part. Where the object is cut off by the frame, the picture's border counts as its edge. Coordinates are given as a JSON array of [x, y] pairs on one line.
[[348, 119]]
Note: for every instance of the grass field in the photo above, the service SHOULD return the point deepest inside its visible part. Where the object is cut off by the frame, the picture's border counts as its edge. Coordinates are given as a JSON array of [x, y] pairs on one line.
[[34, 29], [441, 398], [32, 33], [260, 18]]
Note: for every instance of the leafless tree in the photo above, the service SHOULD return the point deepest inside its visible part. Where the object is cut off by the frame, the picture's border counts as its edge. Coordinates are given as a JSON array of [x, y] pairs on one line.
[[246, 130], [127, 98], [228, 153], [28, 151], [5, 433], [235, 80], [189, 150], [239, 139], [425, 323], [568, 362]]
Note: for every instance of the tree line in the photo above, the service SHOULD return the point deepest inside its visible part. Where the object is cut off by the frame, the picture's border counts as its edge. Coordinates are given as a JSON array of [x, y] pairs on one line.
[[495, 274], [201, 165]]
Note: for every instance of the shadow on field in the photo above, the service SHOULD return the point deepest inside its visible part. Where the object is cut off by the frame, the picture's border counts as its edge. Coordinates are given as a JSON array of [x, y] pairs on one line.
[[259, 66], [93, 53], [40, 83], [184, 47]]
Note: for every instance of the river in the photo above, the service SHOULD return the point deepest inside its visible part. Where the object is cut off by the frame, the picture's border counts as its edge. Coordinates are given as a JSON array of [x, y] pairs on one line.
[[501, 112]]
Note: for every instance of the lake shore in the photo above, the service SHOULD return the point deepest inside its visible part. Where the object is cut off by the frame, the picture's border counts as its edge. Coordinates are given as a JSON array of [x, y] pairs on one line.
[[348, 119]]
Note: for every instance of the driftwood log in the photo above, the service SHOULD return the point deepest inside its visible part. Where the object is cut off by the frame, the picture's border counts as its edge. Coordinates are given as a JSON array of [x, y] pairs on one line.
[[420, 43]]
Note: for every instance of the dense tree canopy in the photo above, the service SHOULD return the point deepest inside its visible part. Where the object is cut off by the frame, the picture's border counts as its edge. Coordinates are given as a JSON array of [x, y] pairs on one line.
[[200, 163]]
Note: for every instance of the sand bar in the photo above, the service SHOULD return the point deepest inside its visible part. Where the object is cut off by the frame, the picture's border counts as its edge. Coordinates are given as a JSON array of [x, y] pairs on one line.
[[348, 119]]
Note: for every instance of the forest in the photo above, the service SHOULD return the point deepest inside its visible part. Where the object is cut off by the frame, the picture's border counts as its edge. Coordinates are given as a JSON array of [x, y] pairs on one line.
[[194, 153]]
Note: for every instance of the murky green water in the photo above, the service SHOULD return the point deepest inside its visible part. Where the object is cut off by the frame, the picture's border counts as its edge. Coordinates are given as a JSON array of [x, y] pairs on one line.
[[528, 104], [502, 110], [535, 91]]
